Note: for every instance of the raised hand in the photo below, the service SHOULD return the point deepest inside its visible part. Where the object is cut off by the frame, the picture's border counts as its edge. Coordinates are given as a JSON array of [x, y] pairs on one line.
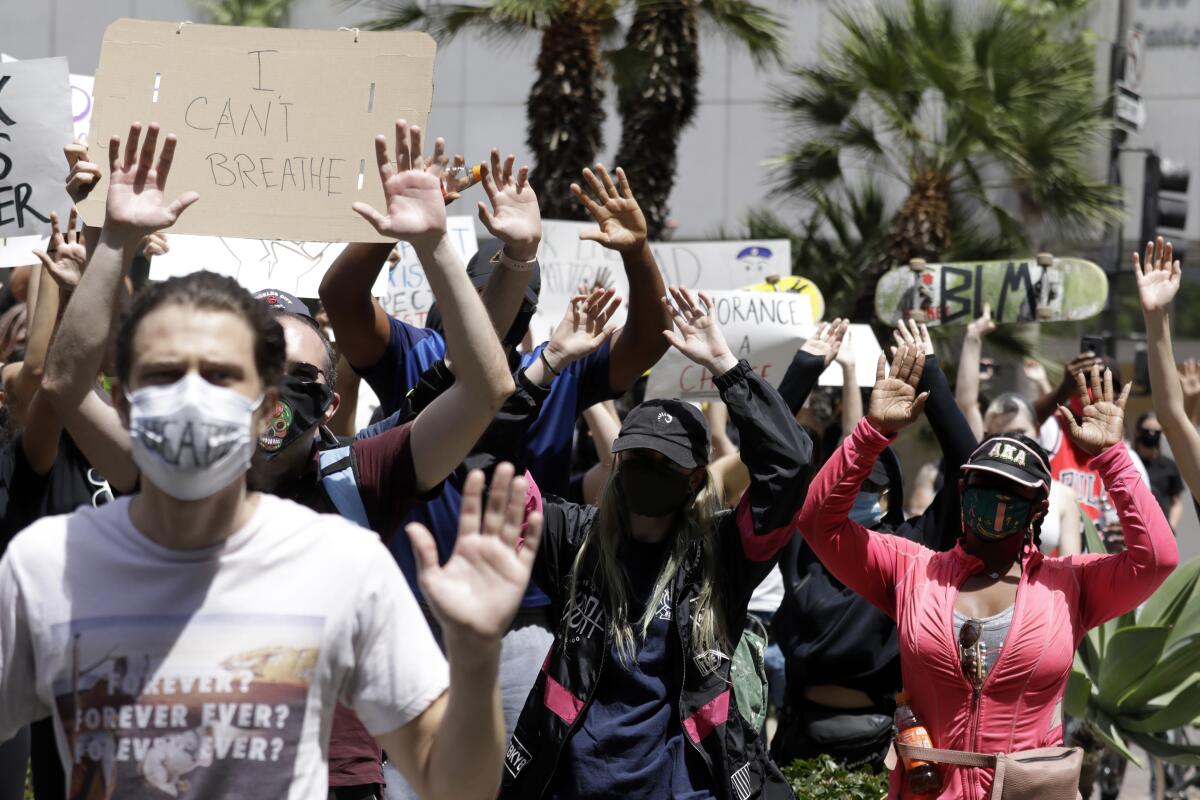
[[1189, 380], [622, 225], [845, 352], [83, 174], [894, 400], [156, 244], [1036, 373], [908, 332], [476, 593], [586, 325], [68, 254], [826, 341], [136, 205], [416, 211], [978, 328], [455, 175], [699, 337], [515, 218], [1158, 276], [1103, 416]]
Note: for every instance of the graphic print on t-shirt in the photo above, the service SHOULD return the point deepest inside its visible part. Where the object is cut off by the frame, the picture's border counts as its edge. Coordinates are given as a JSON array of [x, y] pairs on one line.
[[185, 706]]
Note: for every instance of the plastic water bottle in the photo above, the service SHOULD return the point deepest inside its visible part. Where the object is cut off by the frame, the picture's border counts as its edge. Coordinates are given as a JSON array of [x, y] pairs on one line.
[[923, 777]]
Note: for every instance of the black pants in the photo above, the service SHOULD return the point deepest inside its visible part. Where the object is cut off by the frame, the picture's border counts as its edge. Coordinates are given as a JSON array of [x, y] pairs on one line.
[[369, 791]]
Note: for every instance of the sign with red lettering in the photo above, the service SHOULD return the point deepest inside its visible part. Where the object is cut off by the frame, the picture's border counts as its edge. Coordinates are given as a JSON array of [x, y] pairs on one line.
[[35, 123], [276, 127]]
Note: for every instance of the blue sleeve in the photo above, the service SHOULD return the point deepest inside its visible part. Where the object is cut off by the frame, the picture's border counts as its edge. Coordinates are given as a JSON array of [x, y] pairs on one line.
[[592, 378], [389, 378]]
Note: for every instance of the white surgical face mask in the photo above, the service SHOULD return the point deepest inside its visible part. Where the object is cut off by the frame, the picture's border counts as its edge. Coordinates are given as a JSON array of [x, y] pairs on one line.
[[191, 439]]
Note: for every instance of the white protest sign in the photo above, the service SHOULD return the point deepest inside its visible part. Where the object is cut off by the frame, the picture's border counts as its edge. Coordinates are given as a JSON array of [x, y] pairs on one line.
[[765, 328], [566, 261], [298, 267], [866, 357], [17, 251], [35, 123], [81, 99], [276, 127], [406, 295]]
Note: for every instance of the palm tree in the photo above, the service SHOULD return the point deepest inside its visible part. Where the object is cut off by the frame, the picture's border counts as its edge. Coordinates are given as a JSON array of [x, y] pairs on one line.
[[657, 74], [251, 13], [986, 119]]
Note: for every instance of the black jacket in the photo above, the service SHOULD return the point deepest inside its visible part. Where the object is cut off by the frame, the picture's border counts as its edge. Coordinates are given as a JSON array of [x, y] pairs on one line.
[[828, 633], [777, 452]]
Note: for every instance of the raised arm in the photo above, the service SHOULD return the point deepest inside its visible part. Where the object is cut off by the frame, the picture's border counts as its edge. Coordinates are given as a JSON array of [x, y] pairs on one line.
[[514, 219], [445, 431], [135, 207], [852, 407], [866, 561], [1111, 585], [640, 344], [1158, 282], [966, 385], [818, 352], [455, 750]]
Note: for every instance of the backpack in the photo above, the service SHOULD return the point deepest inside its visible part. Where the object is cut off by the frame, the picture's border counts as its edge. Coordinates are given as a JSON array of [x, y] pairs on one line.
[[749, 673]]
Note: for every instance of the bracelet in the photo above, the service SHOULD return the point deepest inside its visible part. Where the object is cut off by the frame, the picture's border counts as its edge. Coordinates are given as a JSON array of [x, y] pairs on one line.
[[517, 266], [546, 361]]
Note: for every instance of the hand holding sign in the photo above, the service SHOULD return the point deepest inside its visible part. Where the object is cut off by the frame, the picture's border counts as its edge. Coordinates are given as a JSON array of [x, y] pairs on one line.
[[416, 211], [699, 337], [622, 225], [136, 204], [84, 174], [515, 218]]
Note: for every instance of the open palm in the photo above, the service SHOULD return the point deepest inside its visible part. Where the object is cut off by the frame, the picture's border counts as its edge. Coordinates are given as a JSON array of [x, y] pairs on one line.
[[894, 400], [415, 207], [622, 224], [1158, 276], [699, 336], [826, 340], [585, 326], [136, 203], [66, 262], [1103, 417], [476, 593], [514, 218]]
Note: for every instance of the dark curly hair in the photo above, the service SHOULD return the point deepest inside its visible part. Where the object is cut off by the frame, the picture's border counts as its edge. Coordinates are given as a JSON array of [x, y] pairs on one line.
[[210, 292]]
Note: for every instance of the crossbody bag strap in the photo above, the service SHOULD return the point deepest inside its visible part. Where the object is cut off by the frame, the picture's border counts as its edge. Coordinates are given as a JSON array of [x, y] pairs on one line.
[[955, 757]]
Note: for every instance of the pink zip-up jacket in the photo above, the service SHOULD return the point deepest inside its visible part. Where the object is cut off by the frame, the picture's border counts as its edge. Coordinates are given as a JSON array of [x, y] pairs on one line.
[[1058, 600]]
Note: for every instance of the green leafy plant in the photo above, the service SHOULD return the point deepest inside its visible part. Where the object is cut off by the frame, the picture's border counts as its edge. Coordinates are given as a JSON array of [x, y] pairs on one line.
[[1138, 676], [250, 13], [822, 777]]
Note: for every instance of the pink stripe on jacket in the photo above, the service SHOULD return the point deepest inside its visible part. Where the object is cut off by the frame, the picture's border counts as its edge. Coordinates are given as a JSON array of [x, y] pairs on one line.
[[1058, 600]]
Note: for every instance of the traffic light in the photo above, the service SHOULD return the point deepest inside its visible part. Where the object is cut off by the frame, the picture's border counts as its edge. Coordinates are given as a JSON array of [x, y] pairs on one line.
[[1164, 198]]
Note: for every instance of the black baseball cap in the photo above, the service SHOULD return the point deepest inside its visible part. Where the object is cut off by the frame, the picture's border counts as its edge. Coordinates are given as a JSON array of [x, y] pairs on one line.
[[282, 301], [676, 429], [1011, 458]]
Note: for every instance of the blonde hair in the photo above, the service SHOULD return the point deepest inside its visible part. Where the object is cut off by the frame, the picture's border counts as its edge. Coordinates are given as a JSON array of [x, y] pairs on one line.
[[695, 526]]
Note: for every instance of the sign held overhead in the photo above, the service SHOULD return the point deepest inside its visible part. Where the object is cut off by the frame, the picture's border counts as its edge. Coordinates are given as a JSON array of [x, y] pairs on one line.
[[276, 127]]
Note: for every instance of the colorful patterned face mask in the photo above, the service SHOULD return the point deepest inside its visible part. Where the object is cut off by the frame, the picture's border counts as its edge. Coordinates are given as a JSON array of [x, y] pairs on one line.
[[994, 515]]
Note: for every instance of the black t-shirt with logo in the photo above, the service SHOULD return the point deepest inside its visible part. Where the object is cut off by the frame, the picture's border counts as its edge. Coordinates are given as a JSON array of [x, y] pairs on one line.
[[70, 483]]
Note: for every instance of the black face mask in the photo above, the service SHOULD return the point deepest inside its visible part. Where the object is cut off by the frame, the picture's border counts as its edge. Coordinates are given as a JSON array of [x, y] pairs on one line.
[[652, 490], [1150, 438], [301, 405]]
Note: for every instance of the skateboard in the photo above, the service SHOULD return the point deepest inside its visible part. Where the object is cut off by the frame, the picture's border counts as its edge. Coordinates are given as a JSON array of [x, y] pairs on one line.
[[1045, 289], [796, 285]]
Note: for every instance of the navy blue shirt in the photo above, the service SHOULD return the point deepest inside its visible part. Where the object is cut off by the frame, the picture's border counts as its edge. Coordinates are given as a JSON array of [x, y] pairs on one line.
[[631, 744], [547, 450]]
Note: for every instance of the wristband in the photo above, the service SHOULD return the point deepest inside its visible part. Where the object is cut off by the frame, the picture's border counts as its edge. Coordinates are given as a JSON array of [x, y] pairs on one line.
[[517, 266], [546, 361]]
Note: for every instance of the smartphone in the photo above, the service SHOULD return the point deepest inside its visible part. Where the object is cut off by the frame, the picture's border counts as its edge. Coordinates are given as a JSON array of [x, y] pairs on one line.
[[1092, 344]]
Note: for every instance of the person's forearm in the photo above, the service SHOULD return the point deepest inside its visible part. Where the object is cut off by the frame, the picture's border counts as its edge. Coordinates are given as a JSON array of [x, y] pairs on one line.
[[640, 344], [1176, 515], [504, 292], [852, 408], [480, 366], [604, 426], [467, 755], [966, 384], [801, 377], [1165, 390], [947, 420], [345, 293], [87, 325], [1047, 404]]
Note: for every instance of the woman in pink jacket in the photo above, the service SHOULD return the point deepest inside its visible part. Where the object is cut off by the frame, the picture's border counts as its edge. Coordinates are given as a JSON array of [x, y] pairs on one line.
[[988, 630]]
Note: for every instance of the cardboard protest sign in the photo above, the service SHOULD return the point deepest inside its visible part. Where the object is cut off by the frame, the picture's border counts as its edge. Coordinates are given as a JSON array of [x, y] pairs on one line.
[[765, 328], [298, 267], [35, 123], [276, 127], [567, 261]]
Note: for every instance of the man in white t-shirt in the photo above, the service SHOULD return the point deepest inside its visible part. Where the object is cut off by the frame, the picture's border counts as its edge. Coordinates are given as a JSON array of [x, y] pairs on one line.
[[193, 640]]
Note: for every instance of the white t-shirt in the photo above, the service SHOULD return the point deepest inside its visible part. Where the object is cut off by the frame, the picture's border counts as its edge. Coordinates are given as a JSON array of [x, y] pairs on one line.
[[213, 672]]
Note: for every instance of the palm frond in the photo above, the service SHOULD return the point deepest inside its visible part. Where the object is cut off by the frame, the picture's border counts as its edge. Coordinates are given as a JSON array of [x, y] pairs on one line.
[[757, 28], [503, 19]]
